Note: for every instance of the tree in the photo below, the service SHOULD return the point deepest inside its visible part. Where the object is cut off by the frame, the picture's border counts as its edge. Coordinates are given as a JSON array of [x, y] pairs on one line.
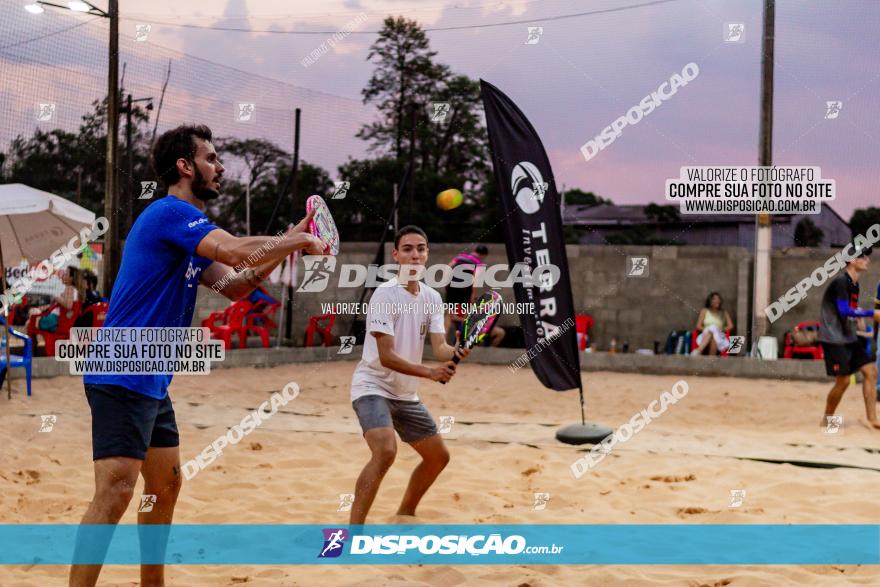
[[405, 74], [62, 162], [449, 146], [864, 218], [577, 197], [660, 214], [230, 206], [807, 234]]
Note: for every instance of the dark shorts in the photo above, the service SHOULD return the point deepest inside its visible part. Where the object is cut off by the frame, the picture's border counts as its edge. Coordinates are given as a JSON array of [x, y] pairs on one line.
[[126, 423], [845, 359], [411, 420]]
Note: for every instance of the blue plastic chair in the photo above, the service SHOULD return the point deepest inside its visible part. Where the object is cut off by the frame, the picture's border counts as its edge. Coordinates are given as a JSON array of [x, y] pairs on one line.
[[24, 360]]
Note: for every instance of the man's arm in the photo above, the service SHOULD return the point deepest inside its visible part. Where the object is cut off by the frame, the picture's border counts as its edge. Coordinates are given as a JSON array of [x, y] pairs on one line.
[[222, 278], [248, 251], [234, 285], [391, 360], [443, 351]]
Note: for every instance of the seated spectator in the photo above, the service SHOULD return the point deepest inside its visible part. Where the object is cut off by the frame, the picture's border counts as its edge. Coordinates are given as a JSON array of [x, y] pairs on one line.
[[90, 289], [457, 296], [713, 321], [89, 286], [64, 301], [262, 297]]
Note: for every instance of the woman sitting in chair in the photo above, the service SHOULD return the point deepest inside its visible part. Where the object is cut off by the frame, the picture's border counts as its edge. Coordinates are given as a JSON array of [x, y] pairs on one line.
[[64, 301], [713, 321]]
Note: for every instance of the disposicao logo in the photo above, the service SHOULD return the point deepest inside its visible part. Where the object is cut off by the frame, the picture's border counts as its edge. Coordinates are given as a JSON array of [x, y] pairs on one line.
[[334, 541]]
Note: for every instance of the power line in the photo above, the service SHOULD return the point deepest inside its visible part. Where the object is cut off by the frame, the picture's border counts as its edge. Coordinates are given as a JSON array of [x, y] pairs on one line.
[[423, 7], [427, 30], [52, 34]]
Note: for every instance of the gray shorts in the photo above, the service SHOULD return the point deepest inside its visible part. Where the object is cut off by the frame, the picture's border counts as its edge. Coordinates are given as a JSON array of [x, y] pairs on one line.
[[411, 420]]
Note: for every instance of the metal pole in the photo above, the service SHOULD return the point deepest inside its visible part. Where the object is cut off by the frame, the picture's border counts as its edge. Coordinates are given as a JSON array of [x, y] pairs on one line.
[[288, 319], [763, 227], [6, 319], [129, 193], [111, 188], [247, 206], [412, 154], [394, 205]]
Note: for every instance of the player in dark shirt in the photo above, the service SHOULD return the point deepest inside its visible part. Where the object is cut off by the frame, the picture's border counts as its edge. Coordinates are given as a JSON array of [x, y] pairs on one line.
[[845, 354]]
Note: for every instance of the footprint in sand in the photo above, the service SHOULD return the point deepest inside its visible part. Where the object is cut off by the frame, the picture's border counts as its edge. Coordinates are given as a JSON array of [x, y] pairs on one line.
[[673, 478], [692, 510], [30, 476]]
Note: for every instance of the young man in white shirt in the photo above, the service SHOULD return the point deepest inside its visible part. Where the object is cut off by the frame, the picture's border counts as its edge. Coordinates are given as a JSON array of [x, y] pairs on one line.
[[384, 384]]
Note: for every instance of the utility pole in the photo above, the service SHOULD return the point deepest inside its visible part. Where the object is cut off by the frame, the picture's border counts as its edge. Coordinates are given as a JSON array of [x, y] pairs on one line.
[[129, 149], [288, 324], [112, 254], [763, 227], [129, 195], [412, 155]]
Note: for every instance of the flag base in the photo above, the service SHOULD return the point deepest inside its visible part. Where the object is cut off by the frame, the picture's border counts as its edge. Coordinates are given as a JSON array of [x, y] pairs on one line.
[[587, 433]]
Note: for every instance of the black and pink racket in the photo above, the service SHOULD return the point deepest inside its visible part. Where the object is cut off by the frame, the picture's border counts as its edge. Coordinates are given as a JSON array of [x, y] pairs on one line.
[[478, 325], [322, 225]]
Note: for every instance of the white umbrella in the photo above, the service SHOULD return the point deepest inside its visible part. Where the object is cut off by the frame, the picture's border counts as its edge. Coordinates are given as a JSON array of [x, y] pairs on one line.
[[33, 225]]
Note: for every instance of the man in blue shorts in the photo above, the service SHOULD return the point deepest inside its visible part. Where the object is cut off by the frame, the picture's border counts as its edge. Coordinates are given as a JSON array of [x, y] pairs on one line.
[[171, 249], [845, 354]]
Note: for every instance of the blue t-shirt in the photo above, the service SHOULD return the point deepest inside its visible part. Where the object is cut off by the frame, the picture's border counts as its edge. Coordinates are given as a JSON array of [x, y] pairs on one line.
[[158, 280]]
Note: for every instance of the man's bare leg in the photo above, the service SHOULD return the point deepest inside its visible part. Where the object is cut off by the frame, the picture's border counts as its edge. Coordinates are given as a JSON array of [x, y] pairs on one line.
[[115, 478], [841, 382], [435, 457], [869, 391], [161, 472], [383, 447]]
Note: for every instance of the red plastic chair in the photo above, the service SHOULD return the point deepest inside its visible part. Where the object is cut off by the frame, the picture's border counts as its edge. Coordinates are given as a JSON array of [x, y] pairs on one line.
[[65, 322], [815, 352], [265, 312], [97, 313], [215, 319], [236, 323], [696, 334], [583, 324], [265, 317], [315, 327]]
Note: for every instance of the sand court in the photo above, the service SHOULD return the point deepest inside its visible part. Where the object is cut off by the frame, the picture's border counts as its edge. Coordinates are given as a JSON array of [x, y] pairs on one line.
[[726, 434]]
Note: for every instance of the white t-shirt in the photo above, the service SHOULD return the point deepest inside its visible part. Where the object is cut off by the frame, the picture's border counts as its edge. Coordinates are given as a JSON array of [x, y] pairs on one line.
[[407, 318]]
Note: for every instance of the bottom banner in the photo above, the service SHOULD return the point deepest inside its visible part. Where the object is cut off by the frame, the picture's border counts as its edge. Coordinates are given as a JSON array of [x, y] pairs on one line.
[[196, 544]]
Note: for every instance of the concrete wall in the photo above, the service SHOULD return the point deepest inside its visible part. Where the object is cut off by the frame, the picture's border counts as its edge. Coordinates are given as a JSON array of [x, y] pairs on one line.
[[636, 310]]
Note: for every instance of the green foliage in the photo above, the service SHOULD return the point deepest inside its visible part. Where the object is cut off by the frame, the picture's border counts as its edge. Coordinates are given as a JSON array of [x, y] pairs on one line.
[[577, 197], [807, 234], [449, 151], [657, 213], [864, 218], [55, 160]]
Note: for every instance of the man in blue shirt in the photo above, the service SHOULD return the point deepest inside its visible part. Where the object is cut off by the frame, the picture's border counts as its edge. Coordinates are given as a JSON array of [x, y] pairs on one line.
[[171, 249]]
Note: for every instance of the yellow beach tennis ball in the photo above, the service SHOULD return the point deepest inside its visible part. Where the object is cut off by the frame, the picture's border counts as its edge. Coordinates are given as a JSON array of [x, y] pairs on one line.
[[449, 199]]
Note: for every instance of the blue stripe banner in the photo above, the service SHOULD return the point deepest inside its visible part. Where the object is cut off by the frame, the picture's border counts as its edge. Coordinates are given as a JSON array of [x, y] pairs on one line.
[[203, 544]]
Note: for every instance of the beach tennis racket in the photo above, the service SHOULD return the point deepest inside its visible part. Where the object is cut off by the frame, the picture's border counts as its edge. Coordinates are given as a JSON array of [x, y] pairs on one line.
[[479, 324], [322, 225]]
